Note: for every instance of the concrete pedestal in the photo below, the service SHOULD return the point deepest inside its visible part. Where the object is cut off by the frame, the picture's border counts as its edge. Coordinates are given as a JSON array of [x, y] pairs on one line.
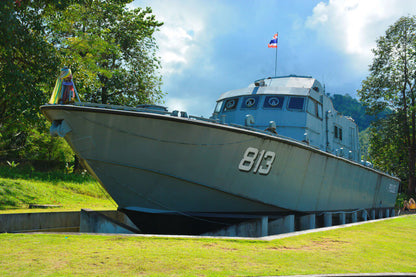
[[307, 222], [327, 219], [282, 225]]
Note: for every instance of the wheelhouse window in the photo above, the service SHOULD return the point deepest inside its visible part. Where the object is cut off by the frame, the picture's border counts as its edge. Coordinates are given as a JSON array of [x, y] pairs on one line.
[[296, 103], [250, 102], [274, 102], [338, 132], [218, 106], [230, 104], [315, 108]]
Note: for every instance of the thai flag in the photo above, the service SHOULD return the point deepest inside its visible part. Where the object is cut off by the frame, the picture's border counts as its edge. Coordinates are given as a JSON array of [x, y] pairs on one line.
[[273, 42]]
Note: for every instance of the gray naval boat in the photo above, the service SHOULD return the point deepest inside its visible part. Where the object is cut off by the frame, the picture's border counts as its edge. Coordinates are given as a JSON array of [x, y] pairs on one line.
[[275, 147]]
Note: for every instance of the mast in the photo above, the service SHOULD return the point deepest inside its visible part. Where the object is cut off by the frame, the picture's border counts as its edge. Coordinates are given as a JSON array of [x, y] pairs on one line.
[[275, 61]]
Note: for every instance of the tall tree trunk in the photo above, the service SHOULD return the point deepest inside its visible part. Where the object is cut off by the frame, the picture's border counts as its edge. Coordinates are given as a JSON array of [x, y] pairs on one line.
[[104, 89], [409, 138], [412, 150], [104, 95]]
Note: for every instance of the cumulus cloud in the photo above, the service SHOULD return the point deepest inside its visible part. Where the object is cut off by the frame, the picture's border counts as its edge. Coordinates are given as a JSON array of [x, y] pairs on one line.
[[354, 26], [183, 34]]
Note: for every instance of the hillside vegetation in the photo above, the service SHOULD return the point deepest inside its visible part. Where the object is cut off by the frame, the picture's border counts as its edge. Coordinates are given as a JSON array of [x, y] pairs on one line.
[[349, 106]]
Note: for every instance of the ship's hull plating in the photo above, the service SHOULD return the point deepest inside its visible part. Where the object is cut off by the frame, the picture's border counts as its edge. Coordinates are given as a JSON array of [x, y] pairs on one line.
[[149, 162]]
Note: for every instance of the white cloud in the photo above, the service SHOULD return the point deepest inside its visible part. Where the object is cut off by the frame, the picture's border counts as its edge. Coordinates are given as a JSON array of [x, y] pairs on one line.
[[179, 104], [183, 34], [193, 106], [354, 26]]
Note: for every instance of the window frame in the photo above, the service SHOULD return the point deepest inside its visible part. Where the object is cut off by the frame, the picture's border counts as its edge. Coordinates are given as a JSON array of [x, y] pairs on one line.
[[337, 132], [225, 109], [317, 106], [255, 105], [279, 106], [295, 109]]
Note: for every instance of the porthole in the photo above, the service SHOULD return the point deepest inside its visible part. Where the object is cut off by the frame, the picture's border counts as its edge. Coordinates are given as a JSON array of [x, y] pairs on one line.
[[250, 102], [273, 101], [230, 104]]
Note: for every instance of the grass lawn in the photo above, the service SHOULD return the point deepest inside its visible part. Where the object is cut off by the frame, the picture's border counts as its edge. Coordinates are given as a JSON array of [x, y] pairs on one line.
[[386, 246], [19, 188]]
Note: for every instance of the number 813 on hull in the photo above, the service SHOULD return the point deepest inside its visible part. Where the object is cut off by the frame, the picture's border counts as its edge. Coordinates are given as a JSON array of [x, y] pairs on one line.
[[257, 161]]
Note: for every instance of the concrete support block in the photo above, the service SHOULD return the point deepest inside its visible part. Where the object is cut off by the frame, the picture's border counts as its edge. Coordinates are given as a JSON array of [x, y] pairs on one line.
[[341, 217], [373, 214], [327, 219], [96, 222], [364, 215], [264, 226], [380, 213], [354, 217], [40, 222], [250, 228], [282, 225], [387, 212], [307, 222]]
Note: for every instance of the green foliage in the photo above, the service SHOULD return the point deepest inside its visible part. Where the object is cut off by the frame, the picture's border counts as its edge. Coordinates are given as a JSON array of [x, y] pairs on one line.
[[110, 49], [386, 147], [35, 144], [41, 146], [349, 106], [392, 85], [27, 62], [12, 164], [364, 139]]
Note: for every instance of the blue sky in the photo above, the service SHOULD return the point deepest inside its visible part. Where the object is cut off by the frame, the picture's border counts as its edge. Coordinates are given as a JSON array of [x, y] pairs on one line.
[[209, 47]]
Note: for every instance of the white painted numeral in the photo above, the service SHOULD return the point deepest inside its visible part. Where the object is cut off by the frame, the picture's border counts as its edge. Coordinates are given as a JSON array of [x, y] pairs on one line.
[[253, 157], [248, 160], [269, 158]]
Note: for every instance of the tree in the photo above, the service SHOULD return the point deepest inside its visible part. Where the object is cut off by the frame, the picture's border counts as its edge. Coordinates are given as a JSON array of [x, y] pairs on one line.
[[110, 49], [27, 62], [386, 146], [391, 84]]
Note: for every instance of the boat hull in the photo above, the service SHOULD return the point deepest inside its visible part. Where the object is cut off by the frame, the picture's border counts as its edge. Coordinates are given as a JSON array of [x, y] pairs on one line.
[[155, 162]]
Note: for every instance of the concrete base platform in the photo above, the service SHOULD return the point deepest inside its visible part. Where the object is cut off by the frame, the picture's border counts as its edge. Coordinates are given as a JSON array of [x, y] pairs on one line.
[[117, 222], [83, 221]]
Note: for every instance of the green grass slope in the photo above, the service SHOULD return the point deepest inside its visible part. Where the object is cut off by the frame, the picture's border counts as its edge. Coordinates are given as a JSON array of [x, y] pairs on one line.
[[19, 188]]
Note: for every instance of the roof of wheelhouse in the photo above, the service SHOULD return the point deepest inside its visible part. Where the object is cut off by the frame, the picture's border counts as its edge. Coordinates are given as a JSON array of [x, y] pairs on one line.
[[286, 85]]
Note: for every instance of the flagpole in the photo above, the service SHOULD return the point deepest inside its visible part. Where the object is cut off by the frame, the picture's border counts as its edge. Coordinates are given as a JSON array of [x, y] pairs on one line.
[[275, 62]]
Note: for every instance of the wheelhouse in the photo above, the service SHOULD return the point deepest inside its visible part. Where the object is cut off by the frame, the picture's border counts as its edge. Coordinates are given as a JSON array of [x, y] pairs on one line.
[[291, 106]]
